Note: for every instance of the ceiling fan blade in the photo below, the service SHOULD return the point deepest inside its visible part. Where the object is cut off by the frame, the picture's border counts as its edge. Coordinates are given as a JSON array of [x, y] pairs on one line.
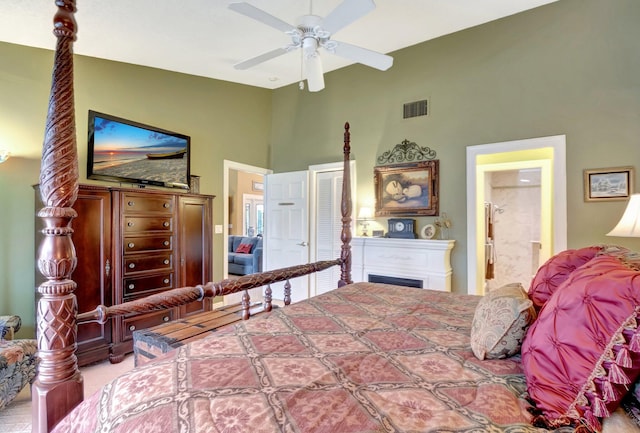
[[315, 76], [261, 58], [362, 55], [345, 13], [260, 15]]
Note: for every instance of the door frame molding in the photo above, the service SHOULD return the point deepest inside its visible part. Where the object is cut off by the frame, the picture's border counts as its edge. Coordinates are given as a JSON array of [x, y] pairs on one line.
[[226, 166]]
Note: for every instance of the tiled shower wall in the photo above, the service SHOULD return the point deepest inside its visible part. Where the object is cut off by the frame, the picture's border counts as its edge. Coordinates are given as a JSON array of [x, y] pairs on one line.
[[516, 228]]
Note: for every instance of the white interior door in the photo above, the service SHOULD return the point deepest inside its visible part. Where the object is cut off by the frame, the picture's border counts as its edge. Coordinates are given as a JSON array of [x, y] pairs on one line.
[[286, 234]]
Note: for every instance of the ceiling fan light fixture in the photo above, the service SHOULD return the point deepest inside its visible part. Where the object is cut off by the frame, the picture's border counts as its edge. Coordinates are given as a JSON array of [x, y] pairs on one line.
[[315, 76], [321, 33], [309, 47]]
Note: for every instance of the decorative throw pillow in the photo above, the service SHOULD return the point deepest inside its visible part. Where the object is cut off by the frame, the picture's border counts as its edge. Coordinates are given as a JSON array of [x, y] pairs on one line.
[[625, 255], [631, 405], [583, 352], [500, 322], [244, 248], [556, 270]]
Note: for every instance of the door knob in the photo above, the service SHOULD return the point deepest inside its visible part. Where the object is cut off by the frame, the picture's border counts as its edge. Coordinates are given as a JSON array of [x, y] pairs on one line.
[[303, 244]]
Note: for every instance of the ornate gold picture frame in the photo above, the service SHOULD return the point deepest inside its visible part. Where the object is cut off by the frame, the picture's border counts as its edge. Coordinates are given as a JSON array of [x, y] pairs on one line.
[[409, 189]]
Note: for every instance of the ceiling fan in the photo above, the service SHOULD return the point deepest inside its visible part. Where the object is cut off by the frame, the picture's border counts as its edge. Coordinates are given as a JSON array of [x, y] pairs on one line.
[[313, 32]]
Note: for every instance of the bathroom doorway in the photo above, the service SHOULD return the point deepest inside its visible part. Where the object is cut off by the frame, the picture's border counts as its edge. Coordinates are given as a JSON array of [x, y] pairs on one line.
[[546, 154]]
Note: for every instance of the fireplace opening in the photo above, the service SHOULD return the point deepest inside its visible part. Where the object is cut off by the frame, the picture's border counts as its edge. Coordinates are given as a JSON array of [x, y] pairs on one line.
[[407, 282]]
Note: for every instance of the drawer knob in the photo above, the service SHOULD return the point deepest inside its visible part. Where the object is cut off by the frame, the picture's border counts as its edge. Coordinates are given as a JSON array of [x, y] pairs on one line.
[[132, 265], [166, 223], [165, 205], [131, 245], [132, 327], [166, 261], [132, 286], [130, 223], [130, 203], [165, 318], [166, 281], [166, 243]]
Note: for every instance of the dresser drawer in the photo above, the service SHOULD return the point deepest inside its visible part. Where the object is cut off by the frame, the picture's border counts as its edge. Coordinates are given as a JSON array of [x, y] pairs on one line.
[[137, 264], [138, 224], [144, 321], [136, 244], [132, 202], [138, 286]]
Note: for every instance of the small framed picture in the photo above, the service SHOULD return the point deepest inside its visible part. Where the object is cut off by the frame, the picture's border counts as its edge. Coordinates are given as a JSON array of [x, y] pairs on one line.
[[428, 231], [606, 184]]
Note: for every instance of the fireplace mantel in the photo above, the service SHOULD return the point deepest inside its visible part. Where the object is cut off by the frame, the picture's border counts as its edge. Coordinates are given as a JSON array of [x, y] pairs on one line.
[[418, 259]]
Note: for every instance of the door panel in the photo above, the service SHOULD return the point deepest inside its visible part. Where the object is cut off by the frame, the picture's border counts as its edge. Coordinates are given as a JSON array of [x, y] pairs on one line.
[[195, 235], [286, 240], [328, 228]]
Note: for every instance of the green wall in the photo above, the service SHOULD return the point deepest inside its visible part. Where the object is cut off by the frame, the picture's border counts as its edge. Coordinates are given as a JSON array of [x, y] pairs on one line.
[[571, 67], [216, 114]]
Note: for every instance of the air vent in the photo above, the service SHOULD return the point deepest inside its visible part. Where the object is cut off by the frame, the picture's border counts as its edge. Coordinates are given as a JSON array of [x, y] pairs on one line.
[[415, 109]]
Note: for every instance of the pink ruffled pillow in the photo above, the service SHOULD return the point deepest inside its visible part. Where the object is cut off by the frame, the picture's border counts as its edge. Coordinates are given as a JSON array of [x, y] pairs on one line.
[[555, 271], [583, 352]]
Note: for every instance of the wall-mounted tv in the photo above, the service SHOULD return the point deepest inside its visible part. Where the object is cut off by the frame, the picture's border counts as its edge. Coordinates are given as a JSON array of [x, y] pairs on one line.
[[125, 151]]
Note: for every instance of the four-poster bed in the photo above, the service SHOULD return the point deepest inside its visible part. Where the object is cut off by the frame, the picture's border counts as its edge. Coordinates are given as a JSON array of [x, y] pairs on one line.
[[365, 357]]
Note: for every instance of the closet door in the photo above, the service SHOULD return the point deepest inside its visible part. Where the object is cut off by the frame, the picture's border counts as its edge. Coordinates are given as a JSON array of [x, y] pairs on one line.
[[328, 194]]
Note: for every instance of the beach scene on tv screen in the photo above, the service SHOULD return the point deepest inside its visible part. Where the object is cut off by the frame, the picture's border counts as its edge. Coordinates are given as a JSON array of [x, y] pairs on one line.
[[136, 153]]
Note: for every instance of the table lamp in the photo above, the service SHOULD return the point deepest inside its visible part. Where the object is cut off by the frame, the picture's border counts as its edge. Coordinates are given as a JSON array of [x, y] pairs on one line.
[[365, 215], [629, 224]]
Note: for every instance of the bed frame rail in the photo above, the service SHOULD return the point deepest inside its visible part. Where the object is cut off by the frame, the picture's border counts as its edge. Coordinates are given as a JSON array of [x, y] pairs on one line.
[[184, 295]]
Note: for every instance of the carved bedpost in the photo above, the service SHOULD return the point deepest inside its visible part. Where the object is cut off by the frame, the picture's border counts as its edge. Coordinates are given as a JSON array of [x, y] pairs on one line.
[[345, 236], [59, 386]]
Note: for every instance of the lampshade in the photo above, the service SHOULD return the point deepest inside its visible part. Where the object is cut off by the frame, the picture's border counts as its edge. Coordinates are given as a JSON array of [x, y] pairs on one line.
[[365, 213], [629, 224], [4, 155]]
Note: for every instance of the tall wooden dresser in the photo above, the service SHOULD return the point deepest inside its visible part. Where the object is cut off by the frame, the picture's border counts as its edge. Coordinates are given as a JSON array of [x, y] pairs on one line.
[[132, 243]]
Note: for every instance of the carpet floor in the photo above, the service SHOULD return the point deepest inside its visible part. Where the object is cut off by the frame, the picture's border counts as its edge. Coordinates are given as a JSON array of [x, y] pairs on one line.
[[16, 416]]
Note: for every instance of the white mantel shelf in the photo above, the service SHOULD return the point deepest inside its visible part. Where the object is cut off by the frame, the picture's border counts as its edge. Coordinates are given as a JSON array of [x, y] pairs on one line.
[[418, 259]]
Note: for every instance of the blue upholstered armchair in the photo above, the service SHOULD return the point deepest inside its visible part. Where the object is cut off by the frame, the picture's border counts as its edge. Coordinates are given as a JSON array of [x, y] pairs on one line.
[[18, 360]]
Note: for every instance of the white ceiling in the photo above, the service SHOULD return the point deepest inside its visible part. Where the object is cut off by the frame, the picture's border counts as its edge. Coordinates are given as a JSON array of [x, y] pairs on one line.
[[205, 38]]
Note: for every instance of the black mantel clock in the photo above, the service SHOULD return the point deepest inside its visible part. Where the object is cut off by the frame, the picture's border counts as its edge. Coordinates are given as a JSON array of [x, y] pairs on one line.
[[401, 228]]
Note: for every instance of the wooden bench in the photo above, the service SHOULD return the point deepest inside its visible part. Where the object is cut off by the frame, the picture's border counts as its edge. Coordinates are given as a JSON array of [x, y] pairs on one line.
[[150, 343]]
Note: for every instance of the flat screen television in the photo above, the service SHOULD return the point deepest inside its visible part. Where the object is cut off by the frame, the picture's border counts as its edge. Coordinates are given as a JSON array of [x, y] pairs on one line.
[[125, 151]]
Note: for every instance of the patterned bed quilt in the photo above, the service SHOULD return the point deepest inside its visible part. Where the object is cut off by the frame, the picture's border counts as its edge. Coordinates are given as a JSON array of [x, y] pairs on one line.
[[362, 358]]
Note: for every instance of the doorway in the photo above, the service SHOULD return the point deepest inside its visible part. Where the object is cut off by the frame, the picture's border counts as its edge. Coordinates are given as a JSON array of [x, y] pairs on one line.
[[229, 169], [546, 154]]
